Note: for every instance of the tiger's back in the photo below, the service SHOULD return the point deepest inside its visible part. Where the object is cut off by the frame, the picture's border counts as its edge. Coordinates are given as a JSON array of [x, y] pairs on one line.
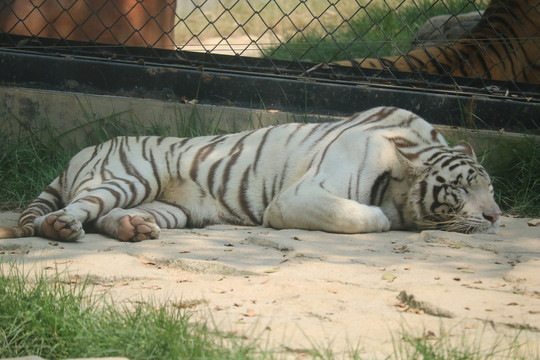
[[227, 178], [347, 176], [504, 45]]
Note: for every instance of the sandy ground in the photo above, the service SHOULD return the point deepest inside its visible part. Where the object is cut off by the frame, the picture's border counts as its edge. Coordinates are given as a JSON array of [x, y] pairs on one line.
[[295, 290]]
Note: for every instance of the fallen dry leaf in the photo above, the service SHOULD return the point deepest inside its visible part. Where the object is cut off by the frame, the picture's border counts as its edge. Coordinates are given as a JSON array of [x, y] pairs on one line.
[[189, 304], [234, 332], [400, 304], [401, 249], [249, 313], [207, 78], [151, 287]]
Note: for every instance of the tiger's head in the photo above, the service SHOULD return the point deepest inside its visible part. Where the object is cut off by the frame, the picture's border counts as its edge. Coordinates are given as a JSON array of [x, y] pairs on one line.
[[453, 192]]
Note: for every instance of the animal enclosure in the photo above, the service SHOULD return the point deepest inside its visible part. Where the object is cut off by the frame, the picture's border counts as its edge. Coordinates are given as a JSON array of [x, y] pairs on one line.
[[473, 50]]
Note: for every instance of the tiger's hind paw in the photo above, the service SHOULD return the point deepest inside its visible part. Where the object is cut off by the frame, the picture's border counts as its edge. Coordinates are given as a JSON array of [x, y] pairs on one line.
[[137, 228], [61, 226]]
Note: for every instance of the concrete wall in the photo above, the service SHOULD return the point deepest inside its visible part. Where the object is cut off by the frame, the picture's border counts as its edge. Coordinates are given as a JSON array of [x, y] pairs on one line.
[[84, 119], [78, 116]]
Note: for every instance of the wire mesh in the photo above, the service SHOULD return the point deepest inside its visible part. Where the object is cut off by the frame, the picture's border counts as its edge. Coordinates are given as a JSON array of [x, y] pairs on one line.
[[361, 40]]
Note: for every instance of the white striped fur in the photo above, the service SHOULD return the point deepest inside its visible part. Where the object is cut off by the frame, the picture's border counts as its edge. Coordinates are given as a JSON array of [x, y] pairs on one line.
[[382, 169]]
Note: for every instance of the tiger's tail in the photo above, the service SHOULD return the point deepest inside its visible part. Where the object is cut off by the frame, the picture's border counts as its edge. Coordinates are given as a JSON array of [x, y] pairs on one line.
[[16, 232], [48, 201]]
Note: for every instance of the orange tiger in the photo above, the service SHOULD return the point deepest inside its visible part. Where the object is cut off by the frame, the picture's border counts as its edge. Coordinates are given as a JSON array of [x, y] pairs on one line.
[[504, 45], [385, 168]]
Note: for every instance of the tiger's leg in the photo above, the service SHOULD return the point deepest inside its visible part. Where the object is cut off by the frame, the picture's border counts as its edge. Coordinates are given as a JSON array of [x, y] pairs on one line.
[[67, 224], [142, 222], [309, 206], [59, 225]]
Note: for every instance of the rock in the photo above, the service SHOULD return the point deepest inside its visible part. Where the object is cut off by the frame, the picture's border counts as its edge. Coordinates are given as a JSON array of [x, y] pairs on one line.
[[443, 29]]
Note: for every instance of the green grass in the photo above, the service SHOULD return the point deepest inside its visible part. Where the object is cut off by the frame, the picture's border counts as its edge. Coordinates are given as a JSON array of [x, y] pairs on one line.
[[516, 178], [375, 30], [431, 347], [45, 317], [32, 156], [27, 165]]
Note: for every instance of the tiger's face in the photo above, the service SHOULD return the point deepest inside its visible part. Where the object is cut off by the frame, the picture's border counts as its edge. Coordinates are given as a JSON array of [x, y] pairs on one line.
[[454, 193]]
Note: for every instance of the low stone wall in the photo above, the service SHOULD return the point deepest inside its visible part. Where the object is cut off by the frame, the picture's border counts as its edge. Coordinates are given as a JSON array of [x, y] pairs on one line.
[[80, 117], [83, 118]]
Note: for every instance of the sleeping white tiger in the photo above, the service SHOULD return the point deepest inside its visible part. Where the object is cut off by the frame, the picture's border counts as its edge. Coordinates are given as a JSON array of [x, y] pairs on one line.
[[383, 169]]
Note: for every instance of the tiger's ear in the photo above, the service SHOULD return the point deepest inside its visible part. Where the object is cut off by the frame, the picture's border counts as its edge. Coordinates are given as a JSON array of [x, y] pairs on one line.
[[465, 148], [414, 166]]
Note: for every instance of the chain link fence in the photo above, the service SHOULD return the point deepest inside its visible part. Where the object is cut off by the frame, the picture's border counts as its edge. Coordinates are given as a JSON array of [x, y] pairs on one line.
[[488, 46]]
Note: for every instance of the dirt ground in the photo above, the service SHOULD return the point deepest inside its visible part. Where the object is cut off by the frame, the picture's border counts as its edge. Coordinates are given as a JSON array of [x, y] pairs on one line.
[[298, 290]]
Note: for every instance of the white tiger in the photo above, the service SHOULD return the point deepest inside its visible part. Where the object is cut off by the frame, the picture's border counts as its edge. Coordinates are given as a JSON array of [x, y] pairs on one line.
[[385, 168]]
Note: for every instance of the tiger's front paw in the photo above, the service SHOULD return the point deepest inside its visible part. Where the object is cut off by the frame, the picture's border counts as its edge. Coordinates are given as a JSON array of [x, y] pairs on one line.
[[137, 228], [61, 226], [383, 224], [376, 221]]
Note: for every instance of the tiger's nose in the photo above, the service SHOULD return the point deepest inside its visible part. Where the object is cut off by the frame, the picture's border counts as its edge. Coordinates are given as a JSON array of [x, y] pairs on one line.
[[492, 217]]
